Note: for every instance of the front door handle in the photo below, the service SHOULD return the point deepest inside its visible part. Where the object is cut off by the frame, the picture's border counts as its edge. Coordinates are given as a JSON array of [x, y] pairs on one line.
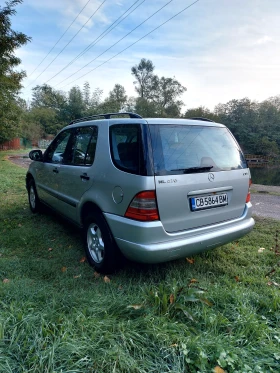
[[55, 170], [84, 176]]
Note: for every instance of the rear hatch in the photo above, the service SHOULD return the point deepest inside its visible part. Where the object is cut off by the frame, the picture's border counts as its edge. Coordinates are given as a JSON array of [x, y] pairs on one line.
[[201, 175]]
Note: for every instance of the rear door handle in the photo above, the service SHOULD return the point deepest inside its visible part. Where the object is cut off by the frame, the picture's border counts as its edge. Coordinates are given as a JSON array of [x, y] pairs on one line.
[[84, 176], [55, 170]]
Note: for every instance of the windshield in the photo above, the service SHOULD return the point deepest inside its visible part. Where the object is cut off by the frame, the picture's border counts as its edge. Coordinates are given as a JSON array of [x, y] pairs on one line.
[[188, 149]]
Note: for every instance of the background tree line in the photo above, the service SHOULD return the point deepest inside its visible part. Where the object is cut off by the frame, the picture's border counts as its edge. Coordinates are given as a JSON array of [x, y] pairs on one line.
[[256, 125]]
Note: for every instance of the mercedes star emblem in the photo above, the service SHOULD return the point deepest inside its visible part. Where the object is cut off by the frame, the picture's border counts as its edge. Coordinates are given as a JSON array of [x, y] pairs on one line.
[[211, 177]]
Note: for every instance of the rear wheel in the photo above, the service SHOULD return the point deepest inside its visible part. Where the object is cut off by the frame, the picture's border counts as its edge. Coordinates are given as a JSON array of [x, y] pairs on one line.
[[101, 249], [34, 202]]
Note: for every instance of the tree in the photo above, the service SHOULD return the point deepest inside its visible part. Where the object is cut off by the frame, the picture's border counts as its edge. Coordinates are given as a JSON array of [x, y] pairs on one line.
[[10, 80], [115, 102], [200, 112], [157, 96], [165, 93], [76, 106], [145, 108], [86, 96], [143, 72], [118, 95], [45, 118], [242, 119], [49, 108]]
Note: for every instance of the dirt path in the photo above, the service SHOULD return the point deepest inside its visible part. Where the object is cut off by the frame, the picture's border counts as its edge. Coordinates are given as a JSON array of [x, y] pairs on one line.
[[20, 159], [266, 205]]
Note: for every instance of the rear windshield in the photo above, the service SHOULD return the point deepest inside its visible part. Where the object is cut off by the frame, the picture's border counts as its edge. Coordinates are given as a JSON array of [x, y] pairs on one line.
[[190, 149]]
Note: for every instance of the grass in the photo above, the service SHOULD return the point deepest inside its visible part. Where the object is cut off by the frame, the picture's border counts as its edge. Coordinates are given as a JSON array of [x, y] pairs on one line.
[[57, 315]]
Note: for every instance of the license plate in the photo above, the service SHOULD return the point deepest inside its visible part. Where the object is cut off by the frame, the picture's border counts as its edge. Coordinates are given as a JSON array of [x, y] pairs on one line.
[[206, 202]]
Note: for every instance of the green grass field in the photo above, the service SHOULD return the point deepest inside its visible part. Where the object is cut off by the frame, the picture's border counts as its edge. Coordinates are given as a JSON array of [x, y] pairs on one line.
[[215, 312]]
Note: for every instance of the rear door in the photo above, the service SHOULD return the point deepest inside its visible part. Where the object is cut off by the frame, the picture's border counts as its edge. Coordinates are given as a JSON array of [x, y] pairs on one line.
[[201, 176]]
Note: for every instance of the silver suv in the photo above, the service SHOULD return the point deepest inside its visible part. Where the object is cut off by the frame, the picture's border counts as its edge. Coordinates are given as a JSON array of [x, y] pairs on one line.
[[153, 190]]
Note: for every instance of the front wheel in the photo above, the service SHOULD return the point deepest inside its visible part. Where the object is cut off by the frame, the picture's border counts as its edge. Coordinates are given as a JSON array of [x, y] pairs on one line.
[[101, 249], [34, 202]]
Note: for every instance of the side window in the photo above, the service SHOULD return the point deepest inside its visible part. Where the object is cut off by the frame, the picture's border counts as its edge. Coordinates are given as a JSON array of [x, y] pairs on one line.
[[83, 146], [57, 149], [126, 147]]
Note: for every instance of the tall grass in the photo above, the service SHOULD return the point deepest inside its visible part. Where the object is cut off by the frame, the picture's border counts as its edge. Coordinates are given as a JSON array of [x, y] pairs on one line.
[[57, 314]]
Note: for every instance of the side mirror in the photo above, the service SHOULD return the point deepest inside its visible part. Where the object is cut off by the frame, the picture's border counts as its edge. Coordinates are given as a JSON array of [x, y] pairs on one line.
[[36, 155]]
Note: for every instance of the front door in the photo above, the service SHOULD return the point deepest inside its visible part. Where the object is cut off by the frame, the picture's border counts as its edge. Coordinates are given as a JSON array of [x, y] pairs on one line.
[[75, 175]]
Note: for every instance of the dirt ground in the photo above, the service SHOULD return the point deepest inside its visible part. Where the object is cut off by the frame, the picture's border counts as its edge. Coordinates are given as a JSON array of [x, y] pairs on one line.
[[20, 159]]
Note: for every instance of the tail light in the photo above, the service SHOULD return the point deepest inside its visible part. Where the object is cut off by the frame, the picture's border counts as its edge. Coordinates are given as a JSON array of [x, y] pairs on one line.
[[143, 207], [248, 198]]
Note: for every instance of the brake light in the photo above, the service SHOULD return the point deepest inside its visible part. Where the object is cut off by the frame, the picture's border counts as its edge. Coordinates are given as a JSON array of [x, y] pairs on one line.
[[143, 207], [248, 198]]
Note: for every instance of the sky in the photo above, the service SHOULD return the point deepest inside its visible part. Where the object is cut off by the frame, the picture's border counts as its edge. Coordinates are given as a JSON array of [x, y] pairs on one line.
[[218, 49]]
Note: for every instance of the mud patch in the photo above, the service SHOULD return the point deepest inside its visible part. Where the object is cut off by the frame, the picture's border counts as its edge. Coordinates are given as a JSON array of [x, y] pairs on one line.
[[21, 160]]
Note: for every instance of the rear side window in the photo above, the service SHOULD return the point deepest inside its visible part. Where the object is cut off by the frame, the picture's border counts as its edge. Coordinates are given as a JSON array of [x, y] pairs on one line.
[[83, 146], [187, 149], [126, 148]]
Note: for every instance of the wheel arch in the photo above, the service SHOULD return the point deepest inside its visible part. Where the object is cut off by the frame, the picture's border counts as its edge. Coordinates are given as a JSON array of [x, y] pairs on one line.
[[88, 208], [28, 178]]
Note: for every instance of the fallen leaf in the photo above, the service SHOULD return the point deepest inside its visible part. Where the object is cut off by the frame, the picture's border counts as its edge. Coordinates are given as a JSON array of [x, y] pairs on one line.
[[261, 249], [96, 274], [190, 260], [218, 369], [236, 278], [135, 306], [83, 259], [50, 249], [63, 269], [106, 279], [193, 280], [6, 280], [272, 283], [77, 276], [171, 298]]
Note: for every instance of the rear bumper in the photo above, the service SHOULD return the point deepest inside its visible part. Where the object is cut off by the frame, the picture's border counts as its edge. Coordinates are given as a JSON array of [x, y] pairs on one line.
[[150, 243]]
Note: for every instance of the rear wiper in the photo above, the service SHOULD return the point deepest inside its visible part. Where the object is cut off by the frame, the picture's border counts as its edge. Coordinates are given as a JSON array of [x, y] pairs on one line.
[[191, 170]]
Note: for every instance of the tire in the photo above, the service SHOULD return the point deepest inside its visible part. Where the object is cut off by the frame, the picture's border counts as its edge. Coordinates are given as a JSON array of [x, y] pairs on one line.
[[101, 250], [34, 202]]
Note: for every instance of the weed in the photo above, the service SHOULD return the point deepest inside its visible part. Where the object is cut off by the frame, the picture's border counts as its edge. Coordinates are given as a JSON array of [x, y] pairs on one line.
[[174, 300]]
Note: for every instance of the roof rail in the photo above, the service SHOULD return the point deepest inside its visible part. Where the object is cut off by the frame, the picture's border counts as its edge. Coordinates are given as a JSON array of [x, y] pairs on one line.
[[203, 119], [105, 116]]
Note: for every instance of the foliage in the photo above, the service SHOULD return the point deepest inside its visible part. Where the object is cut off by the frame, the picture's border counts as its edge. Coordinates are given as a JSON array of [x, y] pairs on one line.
[[172, 301], [115, 102], [255, 125], [158, 96], [143, 72], [200, 112], [10, 80], [58, 315]]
